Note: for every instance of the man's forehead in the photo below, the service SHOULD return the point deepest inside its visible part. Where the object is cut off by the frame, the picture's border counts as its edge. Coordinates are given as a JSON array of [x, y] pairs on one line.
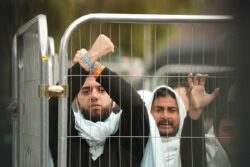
[[90, 82], [165, 100], [164, 104]]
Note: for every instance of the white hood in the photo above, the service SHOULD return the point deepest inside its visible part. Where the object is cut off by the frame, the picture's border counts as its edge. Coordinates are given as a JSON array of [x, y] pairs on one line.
[[215, 154], [153, 153], [170, 146]]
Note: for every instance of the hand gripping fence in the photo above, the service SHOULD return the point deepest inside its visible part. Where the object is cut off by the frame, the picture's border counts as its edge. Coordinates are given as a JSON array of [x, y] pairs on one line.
[[111, 18]]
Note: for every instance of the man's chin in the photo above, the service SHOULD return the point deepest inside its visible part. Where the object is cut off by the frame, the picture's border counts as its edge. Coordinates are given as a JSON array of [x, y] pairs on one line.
[[95, 115], [95, 119], [167, 133], [95, 112]]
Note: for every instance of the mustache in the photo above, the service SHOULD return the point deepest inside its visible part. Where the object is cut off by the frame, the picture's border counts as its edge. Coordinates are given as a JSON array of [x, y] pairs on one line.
[[166, 122]]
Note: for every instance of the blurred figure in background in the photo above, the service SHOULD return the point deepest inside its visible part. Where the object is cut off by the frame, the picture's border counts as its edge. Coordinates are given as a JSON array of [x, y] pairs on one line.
[[221, 138]]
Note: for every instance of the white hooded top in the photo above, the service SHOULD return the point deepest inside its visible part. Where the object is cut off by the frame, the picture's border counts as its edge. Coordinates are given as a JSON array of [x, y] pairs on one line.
[[170, 146], [215, 154], [153, 153]]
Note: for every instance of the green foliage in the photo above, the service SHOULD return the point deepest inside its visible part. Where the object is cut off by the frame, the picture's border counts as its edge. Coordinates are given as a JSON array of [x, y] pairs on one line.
[[61, 13]]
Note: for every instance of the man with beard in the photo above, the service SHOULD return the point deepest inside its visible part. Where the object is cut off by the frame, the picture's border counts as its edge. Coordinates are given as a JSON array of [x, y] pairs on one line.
[[99, 134], [181, 134]]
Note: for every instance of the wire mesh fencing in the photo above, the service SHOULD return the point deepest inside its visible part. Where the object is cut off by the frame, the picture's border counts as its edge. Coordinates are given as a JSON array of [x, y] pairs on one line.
[[150, 50], [30, 70]]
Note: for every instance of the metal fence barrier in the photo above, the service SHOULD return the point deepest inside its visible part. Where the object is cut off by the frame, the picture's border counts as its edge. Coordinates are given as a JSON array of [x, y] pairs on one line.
[[30, 70], [109, 23], [53, 63], [35, 67]]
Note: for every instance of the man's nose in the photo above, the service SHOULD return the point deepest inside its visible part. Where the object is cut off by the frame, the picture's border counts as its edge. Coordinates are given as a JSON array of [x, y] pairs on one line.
[[165, 114], [94, 94]]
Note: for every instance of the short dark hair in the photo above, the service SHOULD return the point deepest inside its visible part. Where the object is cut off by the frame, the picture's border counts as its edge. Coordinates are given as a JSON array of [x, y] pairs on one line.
[[224, 111], [163, 92]]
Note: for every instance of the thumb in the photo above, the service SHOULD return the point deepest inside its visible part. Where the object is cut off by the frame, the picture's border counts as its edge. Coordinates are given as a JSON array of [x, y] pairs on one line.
[[210, 97], [216, 92]]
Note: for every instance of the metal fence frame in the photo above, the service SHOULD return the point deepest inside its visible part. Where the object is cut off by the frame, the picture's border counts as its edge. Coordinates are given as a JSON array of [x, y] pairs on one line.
[[42, 35], [53, 62], [111, 18]]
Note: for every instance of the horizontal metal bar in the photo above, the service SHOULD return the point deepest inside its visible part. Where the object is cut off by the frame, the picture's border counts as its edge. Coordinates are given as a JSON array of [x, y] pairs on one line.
[[24, 28], [41, 20], [153, 18], [131, 18], [185, 68], [111, 18]]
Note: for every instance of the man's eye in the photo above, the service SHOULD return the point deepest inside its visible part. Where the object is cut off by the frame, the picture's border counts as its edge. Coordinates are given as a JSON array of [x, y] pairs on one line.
[[157, 109], [85, 91], [102, 90], [172, 110]]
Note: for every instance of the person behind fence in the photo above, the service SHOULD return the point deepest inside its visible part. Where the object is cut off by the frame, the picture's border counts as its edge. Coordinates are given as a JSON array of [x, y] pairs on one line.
[[221, 138], [180, 131], [100, 134]]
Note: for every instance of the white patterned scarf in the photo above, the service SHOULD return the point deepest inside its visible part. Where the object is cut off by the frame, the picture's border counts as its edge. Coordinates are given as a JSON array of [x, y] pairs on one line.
[[215, 154], [95, 133], [153, 153]]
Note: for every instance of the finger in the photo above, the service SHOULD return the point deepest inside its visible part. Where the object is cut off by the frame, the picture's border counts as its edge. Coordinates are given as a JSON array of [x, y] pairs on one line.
[[197, 79], [212, 96], [77, 57], [78, 52], [203, 79], [83, 51], [190, 79], [102, 36], [189, 90]]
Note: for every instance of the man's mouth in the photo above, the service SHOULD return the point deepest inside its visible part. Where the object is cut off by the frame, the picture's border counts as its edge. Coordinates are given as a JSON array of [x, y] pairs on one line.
[[93, 106], [165, 124]]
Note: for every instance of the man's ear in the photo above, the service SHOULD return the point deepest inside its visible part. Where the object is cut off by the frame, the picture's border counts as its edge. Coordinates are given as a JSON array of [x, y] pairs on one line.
[[75, 105], [77, 102], [116, 109], [113, 104]]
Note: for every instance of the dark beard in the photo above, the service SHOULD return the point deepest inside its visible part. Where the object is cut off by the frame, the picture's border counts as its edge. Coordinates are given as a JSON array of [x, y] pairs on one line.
[[169, 122], [104, 114]]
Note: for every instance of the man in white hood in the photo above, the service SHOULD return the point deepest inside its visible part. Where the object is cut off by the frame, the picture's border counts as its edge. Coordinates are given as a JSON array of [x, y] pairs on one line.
[[174, 122]]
